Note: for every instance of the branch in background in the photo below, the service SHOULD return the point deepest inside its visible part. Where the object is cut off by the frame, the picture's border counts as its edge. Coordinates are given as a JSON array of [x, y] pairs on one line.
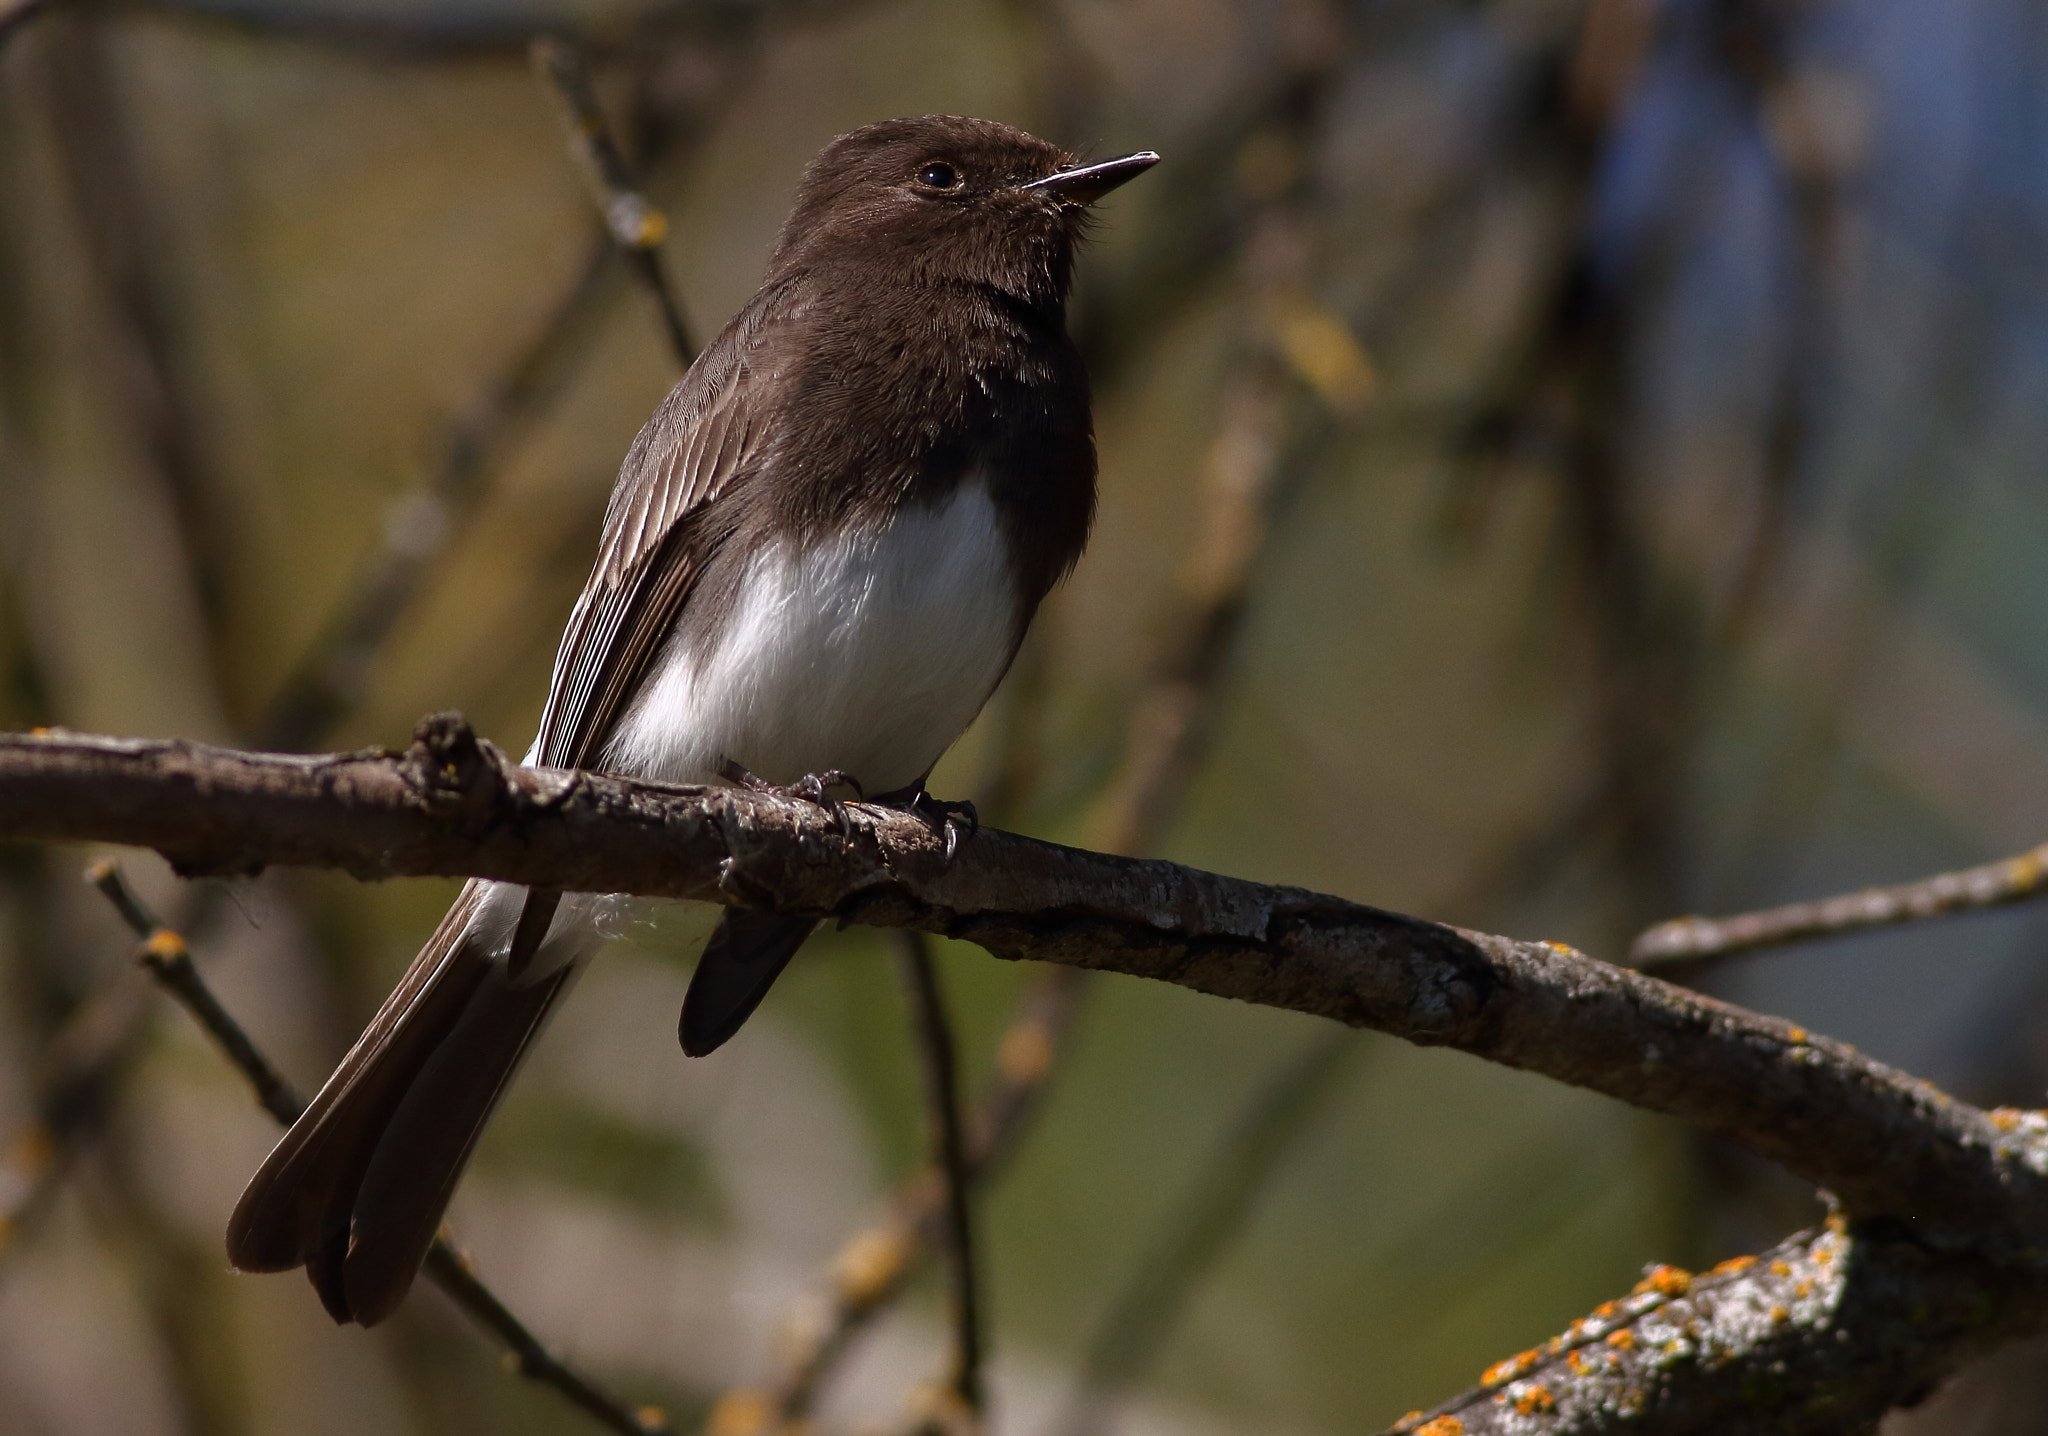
[[876, 1264], [168, 960], [1697, 940], [14, 14], [80, 1070], [331, 677], [636, 226], [151, 375], [1211, 1213], [938, 1061]]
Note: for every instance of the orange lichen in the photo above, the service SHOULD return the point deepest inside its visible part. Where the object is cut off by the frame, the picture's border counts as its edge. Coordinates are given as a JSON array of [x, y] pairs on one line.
[[1578, 1363], [1442, 1426], [1803, 1290], [1415, 1415], [1606, 1309], [1796, 1033], [1669, 1281], [2006, 1119], [165, 945], [1779, 1268], [1536, 1402], [1822, 1256], [1559, 947], [1504, 1371], [1779, 1316], [1733, 1265], [1623, 1340]]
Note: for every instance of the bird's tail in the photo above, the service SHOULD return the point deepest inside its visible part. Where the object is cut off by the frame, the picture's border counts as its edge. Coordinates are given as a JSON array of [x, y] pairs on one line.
[[356, 1189], [747, 952]]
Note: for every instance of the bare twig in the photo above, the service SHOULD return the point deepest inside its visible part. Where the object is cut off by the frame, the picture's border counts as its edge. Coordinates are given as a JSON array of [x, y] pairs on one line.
[[1212, 1211], [636, 226], [937, 1058], [167, 958], [1691, 940]]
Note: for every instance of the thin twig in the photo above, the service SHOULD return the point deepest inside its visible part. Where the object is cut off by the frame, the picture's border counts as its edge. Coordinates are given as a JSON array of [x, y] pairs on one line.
[[635, 225], [1212, 1211], [938, 1060], [168, 959], [1700, 939]]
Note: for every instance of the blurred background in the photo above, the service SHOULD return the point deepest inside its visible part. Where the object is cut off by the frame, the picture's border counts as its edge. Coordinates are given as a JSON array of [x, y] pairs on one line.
[[1564, 463]]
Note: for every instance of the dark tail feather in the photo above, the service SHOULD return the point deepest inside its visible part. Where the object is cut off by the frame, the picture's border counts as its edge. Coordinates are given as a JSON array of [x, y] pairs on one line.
[[746, 954], [356, 1189]]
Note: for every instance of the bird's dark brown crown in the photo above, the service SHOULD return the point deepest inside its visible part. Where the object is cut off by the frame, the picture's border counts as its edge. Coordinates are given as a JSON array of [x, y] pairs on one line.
[[939, 200]]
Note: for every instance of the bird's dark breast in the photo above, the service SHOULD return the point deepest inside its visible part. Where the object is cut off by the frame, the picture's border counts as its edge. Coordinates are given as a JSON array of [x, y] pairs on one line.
[[928, 389]]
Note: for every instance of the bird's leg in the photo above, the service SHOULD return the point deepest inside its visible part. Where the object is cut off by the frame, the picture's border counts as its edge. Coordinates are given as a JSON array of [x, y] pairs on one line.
[[811, 788]]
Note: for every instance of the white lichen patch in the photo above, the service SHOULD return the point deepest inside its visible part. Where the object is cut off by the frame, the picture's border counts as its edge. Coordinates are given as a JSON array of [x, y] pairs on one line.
[[2023, 1136]]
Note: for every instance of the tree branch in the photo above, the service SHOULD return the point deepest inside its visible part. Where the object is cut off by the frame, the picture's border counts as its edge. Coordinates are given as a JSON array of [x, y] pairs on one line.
[[1950, 1198], [1819, 1336], [451, 807], [1692, 940], [166, 957]]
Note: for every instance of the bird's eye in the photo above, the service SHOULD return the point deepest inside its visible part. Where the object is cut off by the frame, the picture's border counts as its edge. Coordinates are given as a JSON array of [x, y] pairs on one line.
[[938, 176]]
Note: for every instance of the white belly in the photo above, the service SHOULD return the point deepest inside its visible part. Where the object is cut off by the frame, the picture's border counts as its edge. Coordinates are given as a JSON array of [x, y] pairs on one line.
[[870, 654]]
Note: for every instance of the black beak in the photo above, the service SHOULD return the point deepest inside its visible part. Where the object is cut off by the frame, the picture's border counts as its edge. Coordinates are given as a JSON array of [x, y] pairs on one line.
[[1085, 184]]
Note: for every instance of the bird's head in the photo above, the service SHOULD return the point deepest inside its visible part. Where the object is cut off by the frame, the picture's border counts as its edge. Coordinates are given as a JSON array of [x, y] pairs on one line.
[[949, 199]]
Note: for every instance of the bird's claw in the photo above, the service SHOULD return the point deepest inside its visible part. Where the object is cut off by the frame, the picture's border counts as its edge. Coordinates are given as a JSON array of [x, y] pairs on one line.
[[811, 788], [943, 816]]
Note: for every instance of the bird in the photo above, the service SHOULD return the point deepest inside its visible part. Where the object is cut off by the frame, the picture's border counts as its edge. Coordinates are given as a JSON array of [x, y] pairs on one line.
[[821, 555]]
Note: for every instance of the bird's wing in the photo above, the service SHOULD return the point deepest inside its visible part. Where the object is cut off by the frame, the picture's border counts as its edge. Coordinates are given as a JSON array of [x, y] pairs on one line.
[[706, 436]]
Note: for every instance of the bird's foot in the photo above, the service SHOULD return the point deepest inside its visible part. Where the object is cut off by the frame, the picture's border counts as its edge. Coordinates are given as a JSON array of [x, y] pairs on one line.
[[942, 816], [814, 788]]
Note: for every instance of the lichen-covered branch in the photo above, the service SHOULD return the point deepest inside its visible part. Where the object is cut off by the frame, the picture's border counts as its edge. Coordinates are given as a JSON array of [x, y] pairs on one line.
[[1691, 940], [1819, 1336]]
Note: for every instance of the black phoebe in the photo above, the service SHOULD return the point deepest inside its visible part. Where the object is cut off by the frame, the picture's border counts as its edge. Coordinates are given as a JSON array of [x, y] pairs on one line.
[[821, 556]]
